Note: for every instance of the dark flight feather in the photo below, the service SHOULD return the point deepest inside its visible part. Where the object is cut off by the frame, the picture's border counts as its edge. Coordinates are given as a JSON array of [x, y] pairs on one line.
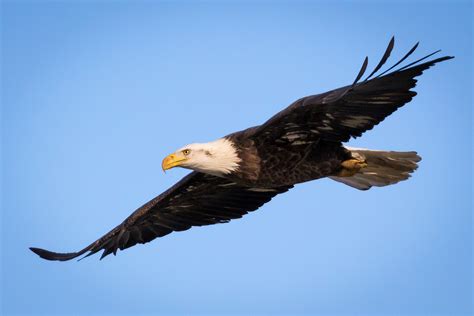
[[361, 71], [197, 200], [419, 60], [346, 112], [401, 60], [384, 58]]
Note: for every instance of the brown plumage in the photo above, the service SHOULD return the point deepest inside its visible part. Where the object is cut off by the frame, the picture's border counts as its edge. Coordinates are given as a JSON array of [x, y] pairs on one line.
[[301, 143]]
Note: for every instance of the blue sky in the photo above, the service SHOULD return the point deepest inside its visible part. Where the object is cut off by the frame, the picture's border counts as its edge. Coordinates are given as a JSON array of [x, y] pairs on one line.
[[95, 94]]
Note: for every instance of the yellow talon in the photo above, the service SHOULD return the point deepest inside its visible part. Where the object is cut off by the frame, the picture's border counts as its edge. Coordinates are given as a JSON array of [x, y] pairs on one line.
[[350, 167]]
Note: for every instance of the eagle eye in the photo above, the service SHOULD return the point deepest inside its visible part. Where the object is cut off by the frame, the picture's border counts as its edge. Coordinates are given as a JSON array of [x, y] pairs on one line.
[[186, 152]]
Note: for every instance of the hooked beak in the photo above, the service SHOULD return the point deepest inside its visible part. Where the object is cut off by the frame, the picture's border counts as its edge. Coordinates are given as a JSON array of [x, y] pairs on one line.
[[172, 161]]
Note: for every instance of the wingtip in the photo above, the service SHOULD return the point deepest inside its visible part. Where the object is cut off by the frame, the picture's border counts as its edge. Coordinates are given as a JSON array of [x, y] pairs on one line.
[[40, 252], [36, 250], [384, 58], [362, 70], [55, 256]]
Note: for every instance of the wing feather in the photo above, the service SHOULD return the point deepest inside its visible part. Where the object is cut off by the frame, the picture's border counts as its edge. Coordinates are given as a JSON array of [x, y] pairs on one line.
[[346, 112], [197, 200], [401, 60], [385, 56], [361, 71]]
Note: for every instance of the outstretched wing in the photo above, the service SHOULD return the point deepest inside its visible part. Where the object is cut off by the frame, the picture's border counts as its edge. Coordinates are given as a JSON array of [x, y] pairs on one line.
[[346, 112], [197, 200]]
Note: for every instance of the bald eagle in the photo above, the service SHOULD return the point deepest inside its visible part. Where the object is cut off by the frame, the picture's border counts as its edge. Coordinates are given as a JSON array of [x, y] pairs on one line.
[[242, 171]]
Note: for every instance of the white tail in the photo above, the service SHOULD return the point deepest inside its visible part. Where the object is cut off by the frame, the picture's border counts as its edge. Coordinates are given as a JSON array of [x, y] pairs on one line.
[[383, 168]]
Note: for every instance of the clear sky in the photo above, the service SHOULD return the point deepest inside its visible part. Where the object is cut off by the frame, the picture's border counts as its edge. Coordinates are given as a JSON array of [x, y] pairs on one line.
[[95, 94]]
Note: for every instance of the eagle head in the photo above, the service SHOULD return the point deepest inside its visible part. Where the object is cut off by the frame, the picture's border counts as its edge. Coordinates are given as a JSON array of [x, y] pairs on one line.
[[218, 158]]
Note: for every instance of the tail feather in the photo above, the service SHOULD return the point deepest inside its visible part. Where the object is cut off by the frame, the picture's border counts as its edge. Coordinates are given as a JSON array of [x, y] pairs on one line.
[[383, 168]]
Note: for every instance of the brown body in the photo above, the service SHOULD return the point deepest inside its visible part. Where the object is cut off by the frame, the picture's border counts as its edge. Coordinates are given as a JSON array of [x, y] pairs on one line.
[[275, 165]]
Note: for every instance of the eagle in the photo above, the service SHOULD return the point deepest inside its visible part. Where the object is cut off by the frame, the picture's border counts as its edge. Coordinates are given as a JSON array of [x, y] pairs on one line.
[[238, 173]]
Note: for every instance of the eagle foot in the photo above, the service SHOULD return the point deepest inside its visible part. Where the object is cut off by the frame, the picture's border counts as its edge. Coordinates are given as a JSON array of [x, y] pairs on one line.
[[350, 167]]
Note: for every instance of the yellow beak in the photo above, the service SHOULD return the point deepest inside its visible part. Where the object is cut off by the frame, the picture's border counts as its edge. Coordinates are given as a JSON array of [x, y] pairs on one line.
[[172, 161]]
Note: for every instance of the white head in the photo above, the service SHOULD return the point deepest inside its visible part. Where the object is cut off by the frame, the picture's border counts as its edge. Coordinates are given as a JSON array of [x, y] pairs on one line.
[[218, 157]]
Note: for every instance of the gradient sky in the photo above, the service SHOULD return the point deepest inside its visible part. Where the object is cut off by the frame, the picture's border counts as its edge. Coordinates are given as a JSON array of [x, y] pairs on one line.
[[95, 94]]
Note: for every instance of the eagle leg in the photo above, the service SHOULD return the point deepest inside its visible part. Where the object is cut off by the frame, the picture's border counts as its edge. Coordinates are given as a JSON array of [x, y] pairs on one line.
[[350, 167]]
